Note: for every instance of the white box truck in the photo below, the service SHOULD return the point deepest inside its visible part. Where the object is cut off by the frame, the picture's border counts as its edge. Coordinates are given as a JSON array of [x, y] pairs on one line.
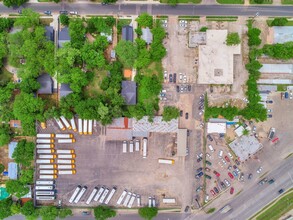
[[90, 132], [144, 147], [72, 122], [127, 199], [45, 135], [169, 200], [48, 171], [64, 135], [78, 197], [122, 196], [76, 191], [166, 161], [49, 166], [45, 146], [101, 190], [93, 193], [65, 122], [66, 156], [85, 122], [47, 156], [131, 201], [49, 177], [124, 145], [44, 141], [66, 167], [66, 141], [150, 202], [60, 125], [49, 151], [105, 193], [60, 161], [110, 195], [80, 130], [131, 146], [136, 145], [45, 161], [65, 151]]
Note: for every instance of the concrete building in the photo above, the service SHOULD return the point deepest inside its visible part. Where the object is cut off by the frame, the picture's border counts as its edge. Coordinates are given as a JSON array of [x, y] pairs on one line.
[[216, 59], [12, 171], [282, 34], [277, 68], [64, 90], [218, 128], [11, 147]]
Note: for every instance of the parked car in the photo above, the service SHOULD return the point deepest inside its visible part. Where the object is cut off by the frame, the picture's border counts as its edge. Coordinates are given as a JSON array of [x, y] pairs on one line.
[[208, 177], [281, 191], [270, 116], [181, 113], [227, 159], [73, 12], [198, 189], [201, 96], [210, 137], [227, 182], [230, 167], [237, 162], [170, 78], [199, 169], [222, 184], [186, 209], [174, 77], [207, 198], [220, 154], [199, 175], [63, 12], [186, 115], [189, 88], [208, 155], [264, 180], [235, 173], [216, 173], [199, 159], [235, 167], [216, 190], [230, 155], [223, 161], [207, 169], [213, 192], [259, 170], [269, 101], [271, 181], [232, 190], [250, 176], [177, 88], [47, 12], [86, 213], [241, 177], [211, 148], [237, 170], [269, 110], [208, 163], [230, 175]]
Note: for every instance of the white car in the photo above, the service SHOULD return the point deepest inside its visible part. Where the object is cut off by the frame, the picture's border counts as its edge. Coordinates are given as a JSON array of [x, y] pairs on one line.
[[221, 165], [73, 12], [227, 182], [259, 170], [207, 198], [208, 155], [224, 162], [230, 155]]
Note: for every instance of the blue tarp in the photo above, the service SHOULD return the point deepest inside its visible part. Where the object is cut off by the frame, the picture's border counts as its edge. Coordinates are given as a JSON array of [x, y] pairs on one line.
[[12, 145], [12, 170]]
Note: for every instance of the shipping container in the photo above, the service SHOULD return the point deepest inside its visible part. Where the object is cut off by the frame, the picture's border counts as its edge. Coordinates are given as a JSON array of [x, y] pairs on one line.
[[44, 141], [51, 166], [85, 122], [65, 161], [47, 156], [66, 156], [80, 130], [66, 172], [44, 187], [64, 167], [93, 193], [110, 195], [125, 203], [60, 125], [66, 141], [131, 146], [45, 135], [101, 190], [65, 151], [136, 145], [45, 161], [45, 146], [82, 192], [65, 122], [90, 127], [49, 177], [64, 135], [119, 201], [45, 182], [166, 161], [45, 198], [144, 147], [131, 201], [105, 193], [72, 121], [76, 191], [48, 171], [49, 151]]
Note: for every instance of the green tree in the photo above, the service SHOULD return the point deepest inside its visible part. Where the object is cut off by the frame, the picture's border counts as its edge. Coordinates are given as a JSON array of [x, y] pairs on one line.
[[2, 168], [148, 213], [29, 18], [104, 212], [145, 20], [48, 212], [3, 48], [64, 19], [203, 29], [127, 53], [28, 209], [253, 37], [259, 1], [29, 85], [24, 153], [92, 57], [279, 22], [16, 188], [172, 2], [64, 212], [4, 135], [15, 208], [5, 24], [5, 208], [170, 112], [10, 3], [245, 132], [77, 33], [233, 39], [26, 176]]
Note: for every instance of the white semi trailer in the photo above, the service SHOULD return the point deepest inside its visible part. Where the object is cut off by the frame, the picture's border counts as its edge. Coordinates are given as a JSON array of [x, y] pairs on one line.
[[144, 147], [76, 191], [131, 201], [48, 171], [78, 197], [93, 193], [66, 156], [44, 161], [49, 151], [65, 167], [60, 161], [90, 132], [119, 201], [85, 122], [66, 172], [66, 141], [45, 198], [101, 190], [105, 193], [64, 135], [45, 146], [127, 199], [65, 151], [48, 177], [45, 141], [110, 195]]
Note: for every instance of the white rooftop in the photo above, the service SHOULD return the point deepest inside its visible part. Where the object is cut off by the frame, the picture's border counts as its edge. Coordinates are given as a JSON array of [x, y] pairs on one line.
[[239, 131], [283, 34], [274, 81], [158, 125], [219, 128], [216, 59], [277, 68]]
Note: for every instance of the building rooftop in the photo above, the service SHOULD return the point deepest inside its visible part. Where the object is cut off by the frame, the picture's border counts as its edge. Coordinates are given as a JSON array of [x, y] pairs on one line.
[[49, 33], [158, 125], [147, 35], [129, 92], [245, 146], [181, 142], [216, 59], [12, 170], [282, 34], [63, 36], [11, 147], [219, 128], [275, 81], [277, 68], [127, 33], [46, 83], [64, 90]]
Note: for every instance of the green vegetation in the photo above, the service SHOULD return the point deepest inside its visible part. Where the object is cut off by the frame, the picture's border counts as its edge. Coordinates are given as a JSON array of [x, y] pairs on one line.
[[145, 20], [64, 19], [170, 112], [279, 22], [24, 153], [104, 212], [5, 208], [230, 1], [254, 37], [279, 51], [15, 187], [222, 18], [203, 29], [245, 132], [2, 168], [65, 212], [11, 3], [183, 1], [211, 210], [279, 208], [4, 135], [126, 52], [29, 210], [261, 1], [233, 39], [282, 87], [121, 23], [148, 213], [287, 2], [172, 2]]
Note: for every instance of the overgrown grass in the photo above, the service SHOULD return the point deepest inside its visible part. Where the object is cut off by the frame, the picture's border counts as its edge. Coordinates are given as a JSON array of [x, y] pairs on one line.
[[264, 2], [154, 68], [44, 1], [183, 1], [281, 207], [230, 1], [282, 88], [46, 21], [287, 2], [5, 76], [93, 88], [211, 210]]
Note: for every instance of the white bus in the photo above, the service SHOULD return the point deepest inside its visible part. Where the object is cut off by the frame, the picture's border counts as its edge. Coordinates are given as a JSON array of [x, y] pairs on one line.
[[85, 122], [131, 201], [80, 126], [88, 201], [104, 195], [136, 145], [119, 201], [124, 146], [73, 124], [65, 122], [110, 195], [45, 198], [44, 182], [78, 197], [76, 191], [144, 147], [131, 146], [45, 193], [101, 190], [44, 187], [127, 199]]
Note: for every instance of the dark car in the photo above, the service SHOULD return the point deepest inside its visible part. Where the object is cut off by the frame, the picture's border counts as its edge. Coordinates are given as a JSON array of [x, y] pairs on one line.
[[174, 77], [181, 113], [104, 3], [188, 132], [250, 176], [237, 162], [270, 116], [208, 163], [227, 159], [186, 209], [200, 174], [189, 88], [201, 107], [177, 89], [210, 137], [271, 181], [223, 185], [207, 176], [86, 213], [47, 12], [201, 102], [216, 190], [232, 190], [263, 181], [63, 12], [281, 191], [235, 167], [199, 159], [199, 169], [269, 101], [186, 115], [170, 78]]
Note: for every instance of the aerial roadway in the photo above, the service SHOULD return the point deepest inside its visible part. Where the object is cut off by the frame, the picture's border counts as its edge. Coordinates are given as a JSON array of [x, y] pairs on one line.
[[156, 9]]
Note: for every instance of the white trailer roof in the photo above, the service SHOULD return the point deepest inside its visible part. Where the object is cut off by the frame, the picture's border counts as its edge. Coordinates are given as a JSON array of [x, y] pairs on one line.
[[277, 68], [219, 128]]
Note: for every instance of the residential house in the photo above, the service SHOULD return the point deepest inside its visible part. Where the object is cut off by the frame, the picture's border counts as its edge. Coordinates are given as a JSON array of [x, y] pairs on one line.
[[127, 33], [64, 90], [49, 33], [63, 37], [46, 84], [147, 35], [129, 92]]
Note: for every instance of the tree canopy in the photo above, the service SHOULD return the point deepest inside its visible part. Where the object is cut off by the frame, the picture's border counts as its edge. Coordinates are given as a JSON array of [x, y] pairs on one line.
[[24, 153], [16, 188], [104, 212], [170, 112], [233, 39], [148, 213], [10, 3], [64, 19], [5, 208], [127, 53], [48, 212], [4, 135], [145, 20]]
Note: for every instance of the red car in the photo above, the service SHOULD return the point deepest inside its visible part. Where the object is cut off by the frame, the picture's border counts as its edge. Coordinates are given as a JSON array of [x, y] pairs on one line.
[[232, 190], [213, 192], [227, 159], [216, 173], [231, 175]]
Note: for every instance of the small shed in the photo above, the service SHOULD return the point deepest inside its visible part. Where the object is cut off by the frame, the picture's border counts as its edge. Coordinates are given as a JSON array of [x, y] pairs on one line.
[[46, 84], [127, 33], [127, 73], [129, 92], [64, 90], [12, 170], [15, 123], [147, 35], [49, 33], [11, 147]]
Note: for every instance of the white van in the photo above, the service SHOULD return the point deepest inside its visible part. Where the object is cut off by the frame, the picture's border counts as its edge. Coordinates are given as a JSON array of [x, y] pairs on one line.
[[211, 148], [220, 155]]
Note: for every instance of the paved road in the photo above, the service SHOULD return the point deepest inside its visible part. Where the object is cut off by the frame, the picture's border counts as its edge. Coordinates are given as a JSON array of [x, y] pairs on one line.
[[134, 9], [255, 198]]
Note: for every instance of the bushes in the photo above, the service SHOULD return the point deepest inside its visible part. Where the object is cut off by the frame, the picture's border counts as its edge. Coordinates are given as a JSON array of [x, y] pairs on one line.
[[233, 39], [148, 213], [253, 37], [104, 212], [279, 51], [170, 112], [279, 22]]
